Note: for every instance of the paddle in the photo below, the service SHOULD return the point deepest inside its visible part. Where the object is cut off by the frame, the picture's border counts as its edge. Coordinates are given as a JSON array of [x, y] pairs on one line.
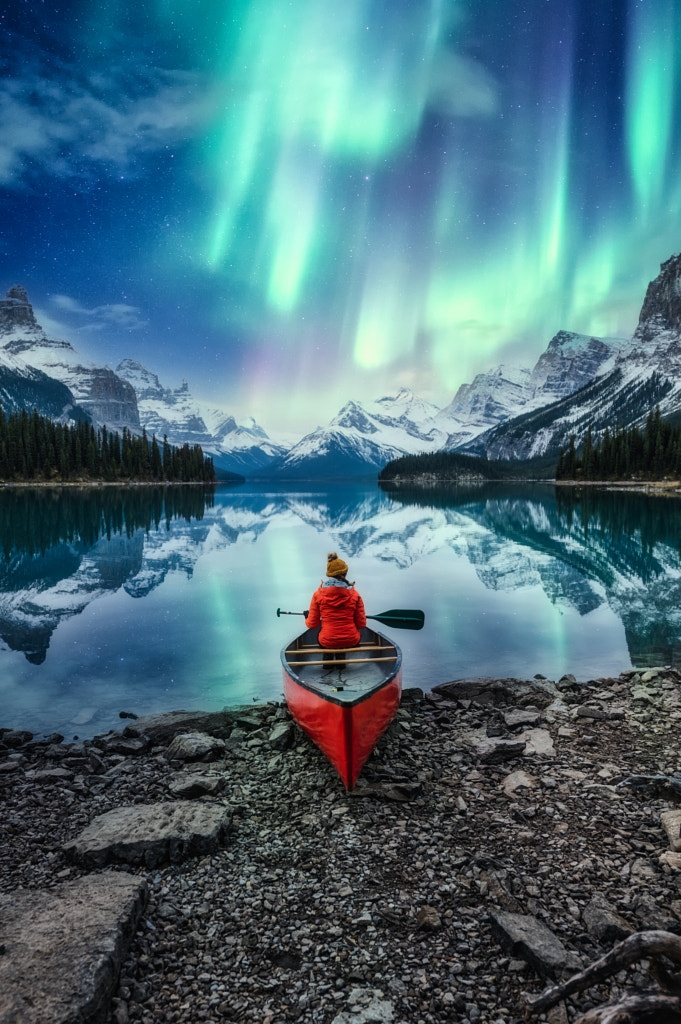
[[398, 618]]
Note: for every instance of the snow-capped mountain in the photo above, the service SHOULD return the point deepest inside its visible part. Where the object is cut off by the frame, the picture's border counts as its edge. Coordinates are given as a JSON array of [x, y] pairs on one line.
[[644, 373], [26, 348], [360, 439], [569, 362], [176, 414]]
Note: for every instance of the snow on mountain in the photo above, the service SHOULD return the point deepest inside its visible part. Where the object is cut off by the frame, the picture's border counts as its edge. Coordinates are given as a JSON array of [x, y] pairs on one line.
[[25, 347], [633, 378], [176, 414], [361, 438]]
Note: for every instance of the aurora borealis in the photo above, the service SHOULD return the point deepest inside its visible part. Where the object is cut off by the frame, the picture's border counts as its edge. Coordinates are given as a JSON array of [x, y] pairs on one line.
[[295, 202]]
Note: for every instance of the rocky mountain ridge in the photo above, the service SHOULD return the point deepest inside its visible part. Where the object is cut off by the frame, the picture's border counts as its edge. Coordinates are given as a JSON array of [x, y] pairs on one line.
[[26, 348], [506, 413], [644, 374]]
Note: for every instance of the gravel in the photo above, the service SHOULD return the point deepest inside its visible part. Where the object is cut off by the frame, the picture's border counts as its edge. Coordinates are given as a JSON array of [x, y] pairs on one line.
[[339, 909]]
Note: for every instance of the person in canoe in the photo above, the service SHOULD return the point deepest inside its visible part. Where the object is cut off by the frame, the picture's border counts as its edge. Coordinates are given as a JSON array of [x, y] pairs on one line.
[[337, 606]]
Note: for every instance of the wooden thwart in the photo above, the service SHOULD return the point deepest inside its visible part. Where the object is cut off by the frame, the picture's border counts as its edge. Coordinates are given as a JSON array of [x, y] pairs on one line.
[[341, 661]]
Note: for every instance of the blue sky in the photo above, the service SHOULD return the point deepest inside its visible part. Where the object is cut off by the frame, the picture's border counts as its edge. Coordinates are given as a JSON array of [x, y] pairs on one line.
[[294, 202]]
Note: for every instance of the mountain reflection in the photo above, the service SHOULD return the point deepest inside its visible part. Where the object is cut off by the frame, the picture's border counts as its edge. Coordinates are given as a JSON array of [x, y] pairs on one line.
[[588, 546], [60, 549]]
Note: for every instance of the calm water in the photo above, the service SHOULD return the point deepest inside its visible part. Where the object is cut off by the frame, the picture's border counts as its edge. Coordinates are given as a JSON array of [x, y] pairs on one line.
[[143, 600]]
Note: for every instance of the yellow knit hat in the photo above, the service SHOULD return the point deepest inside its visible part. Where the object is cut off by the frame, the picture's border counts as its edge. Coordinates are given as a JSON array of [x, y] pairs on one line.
[[335, 566]]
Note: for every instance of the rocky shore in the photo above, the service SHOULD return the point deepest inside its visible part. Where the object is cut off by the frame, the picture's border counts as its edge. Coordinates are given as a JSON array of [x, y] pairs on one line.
[[210, 867]]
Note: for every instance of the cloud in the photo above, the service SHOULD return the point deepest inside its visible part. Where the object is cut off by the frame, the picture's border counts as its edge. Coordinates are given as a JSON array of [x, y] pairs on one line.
[[66, 125], [98, 318]]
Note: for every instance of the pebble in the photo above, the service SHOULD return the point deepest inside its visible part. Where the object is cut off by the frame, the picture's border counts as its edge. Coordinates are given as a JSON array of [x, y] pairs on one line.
[[315, 909]]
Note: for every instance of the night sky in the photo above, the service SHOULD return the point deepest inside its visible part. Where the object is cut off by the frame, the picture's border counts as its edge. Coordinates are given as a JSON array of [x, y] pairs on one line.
[[295, 202]]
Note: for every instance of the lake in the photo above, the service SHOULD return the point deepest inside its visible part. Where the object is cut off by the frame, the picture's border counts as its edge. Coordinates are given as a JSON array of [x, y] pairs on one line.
[[152, 599]]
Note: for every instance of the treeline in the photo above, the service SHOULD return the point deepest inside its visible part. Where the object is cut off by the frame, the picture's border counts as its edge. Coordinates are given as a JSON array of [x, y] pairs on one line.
[[37, 522], [450, 467], [33, 447], [626, 453]]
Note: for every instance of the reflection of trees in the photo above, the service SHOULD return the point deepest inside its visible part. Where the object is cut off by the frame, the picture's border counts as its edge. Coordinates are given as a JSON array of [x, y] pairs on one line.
[[33, 520], [629, 543], [618, 514]]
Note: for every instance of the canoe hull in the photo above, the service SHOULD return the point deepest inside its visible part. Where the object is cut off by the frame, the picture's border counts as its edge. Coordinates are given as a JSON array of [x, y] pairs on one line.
[[346, 730]]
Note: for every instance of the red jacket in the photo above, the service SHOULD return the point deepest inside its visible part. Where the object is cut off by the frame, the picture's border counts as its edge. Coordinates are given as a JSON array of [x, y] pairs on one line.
[[341, 611]]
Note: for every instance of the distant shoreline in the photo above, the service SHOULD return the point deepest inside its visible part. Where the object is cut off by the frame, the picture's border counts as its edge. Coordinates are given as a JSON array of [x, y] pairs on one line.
[[429, 481], [665, 488], [108, 483]]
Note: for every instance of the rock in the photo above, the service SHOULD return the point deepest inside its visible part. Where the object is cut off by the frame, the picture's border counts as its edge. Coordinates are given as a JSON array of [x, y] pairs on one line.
[[62, 948], [537, 741], [603, 922], [671, 823], [586, 711], [151, 834], [652, 917], [163, 727], [16, 737], [195, 746], [521, 716], [671, 859], [518, 780], [189, 787], [118, 743], [428, 919], [494, 751], [540, 692], [398, 791], [526, 937], [366, 1006], [282, 736]]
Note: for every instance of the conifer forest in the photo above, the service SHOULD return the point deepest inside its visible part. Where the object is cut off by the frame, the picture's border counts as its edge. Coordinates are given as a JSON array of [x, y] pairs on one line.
[[34, 448]]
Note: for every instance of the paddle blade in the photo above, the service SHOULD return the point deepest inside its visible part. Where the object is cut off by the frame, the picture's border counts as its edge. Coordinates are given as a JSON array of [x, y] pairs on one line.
[[401, 618]]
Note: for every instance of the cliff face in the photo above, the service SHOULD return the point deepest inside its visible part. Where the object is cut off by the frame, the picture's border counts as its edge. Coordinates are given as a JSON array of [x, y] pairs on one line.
[[642, 374], [661, 309], [24, 346]]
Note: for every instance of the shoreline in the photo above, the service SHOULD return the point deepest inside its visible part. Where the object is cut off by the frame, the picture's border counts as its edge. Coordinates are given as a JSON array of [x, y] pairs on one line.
[[486, 802], [109, 483]]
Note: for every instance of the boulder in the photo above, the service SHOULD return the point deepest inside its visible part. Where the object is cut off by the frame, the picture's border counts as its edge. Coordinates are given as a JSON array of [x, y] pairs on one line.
[[525, 937], [494, 751], [517, 717], [511, 692], [603, 922], [62, 948], [189, 787], [282, 736], [162, 728], [151, 834], [195, 746], [671, 823]]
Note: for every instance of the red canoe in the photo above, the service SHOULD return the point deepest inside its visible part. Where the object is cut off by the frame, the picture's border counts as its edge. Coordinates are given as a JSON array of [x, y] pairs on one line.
[[344, 700]]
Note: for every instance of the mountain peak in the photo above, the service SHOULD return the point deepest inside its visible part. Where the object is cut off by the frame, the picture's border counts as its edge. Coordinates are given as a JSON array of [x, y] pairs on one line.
[[662, 303], [16, 312]]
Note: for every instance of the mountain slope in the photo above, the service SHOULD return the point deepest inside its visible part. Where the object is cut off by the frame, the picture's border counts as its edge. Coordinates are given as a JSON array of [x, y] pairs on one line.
[[175, 413], [360, 439], [645, 373], [25, 347]]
